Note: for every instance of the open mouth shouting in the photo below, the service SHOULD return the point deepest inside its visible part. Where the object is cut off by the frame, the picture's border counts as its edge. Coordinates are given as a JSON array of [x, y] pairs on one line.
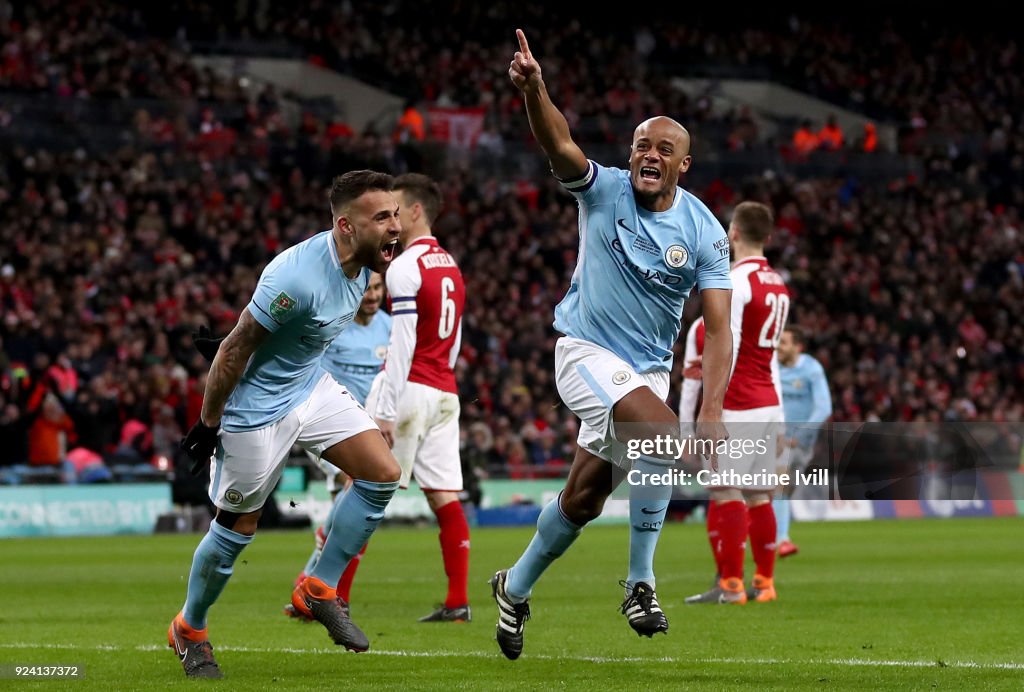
[[650, 174], [388, 249]]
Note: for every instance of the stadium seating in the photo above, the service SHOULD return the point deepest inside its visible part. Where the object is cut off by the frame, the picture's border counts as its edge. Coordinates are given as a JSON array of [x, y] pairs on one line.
[[139, 203]]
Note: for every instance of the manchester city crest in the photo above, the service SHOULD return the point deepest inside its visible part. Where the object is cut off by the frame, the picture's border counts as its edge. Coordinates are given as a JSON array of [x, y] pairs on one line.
[[676, 256]]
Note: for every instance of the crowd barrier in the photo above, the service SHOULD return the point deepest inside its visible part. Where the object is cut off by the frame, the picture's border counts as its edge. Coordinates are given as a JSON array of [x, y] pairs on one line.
[[133, 508], [518, 502], [82, 510]]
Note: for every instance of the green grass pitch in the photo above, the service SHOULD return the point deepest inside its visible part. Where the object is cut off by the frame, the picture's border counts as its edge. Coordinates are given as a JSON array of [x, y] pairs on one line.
[[887, 604]]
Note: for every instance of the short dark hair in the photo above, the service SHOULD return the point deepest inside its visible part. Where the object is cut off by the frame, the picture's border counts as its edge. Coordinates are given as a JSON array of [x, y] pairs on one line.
[[424, 190], [354, 184], [798, 333], [754, 221]]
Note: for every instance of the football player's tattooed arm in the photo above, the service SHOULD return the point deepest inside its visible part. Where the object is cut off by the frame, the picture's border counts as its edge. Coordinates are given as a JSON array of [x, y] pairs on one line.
[[229, 364]]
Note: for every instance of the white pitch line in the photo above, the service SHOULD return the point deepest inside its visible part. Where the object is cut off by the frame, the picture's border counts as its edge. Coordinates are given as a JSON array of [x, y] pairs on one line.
[[853, 662]]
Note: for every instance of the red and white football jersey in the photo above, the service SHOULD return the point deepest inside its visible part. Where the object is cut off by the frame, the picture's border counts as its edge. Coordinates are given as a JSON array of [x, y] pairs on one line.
[[760, 306], [689, 399], [427, 299]]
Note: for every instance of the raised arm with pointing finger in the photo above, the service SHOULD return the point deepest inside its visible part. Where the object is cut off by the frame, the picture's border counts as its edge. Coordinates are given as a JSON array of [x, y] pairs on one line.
[[547, 122]]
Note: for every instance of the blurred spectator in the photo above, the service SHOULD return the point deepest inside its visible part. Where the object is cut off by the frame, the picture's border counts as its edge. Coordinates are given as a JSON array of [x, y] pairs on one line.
[[13, 435], [50, 434], [830, 136], [96, 419], [136, 445], [410, 126], [546, 456], [805, 140], [478, 453], [88, 466], [166, 432], [64, 378], [477, 461], [869, 142]]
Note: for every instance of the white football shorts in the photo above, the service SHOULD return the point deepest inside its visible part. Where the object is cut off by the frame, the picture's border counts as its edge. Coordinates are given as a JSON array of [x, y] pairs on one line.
[[754, 436], [426, 435], [248, 464], [591, 380]]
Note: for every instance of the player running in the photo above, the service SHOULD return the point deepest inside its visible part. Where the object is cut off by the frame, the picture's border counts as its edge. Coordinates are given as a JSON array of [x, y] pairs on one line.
[[753, 408], [353, 360], [808, 403], [415, 400], [644, 243], [266, 391]]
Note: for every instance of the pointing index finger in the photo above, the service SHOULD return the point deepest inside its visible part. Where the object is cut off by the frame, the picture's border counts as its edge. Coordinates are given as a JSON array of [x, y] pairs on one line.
[[524, 47]]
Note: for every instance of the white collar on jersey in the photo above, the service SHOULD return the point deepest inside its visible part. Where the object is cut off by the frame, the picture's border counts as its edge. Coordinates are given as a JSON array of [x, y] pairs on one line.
[[752, 258], [422, 238], [332, 249]]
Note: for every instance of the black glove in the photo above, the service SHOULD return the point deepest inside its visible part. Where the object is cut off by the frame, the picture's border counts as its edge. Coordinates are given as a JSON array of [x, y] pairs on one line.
[[200, 444], [205, 343]]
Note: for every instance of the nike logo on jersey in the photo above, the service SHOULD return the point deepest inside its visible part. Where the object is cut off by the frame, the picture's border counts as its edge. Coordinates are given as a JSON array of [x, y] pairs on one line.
[[343, 320], [651, 511], [622, 222]]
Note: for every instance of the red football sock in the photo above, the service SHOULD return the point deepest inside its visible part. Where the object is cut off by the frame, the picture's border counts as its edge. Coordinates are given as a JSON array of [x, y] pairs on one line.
[[732, 528], [714, 534], [345, 583], [762, 538], [455, 552]]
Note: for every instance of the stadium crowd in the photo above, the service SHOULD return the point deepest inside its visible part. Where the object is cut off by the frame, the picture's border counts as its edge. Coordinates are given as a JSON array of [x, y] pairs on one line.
[[908, 286], [951, 76]]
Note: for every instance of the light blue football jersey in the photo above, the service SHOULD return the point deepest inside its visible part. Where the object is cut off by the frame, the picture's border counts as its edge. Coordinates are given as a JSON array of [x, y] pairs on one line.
[[356, 356], [305, 300], [636, 268], [806, 400]]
